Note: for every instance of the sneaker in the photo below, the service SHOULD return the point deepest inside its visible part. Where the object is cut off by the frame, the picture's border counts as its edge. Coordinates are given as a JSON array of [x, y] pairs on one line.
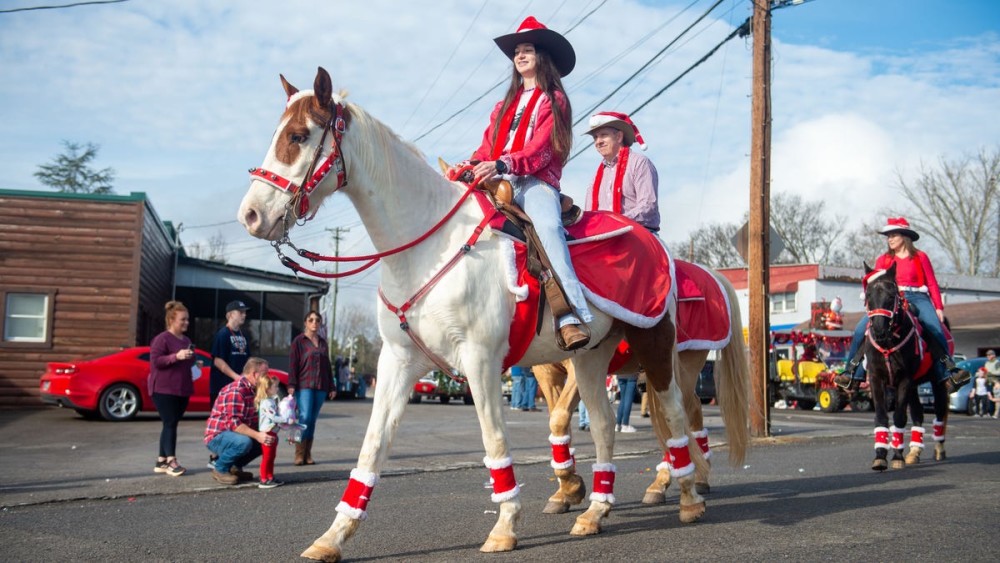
[[175, 470], [161, 466], [627, 429], [618, 428], [585, 427], [211, 461], [240, 474], [269, 484], [225, 478]]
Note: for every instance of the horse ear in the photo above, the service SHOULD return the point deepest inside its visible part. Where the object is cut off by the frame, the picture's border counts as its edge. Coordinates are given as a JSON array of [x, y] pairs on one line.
[[443, 165], [891, 271], [289, 89], [868, 269], [323, 88]]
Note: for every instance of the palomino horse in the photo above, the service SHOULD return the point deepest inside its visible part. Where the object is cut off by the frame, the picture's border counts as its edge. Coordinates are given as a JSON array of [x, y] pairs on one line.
[[455, 294], [558, 385], [897, 357]]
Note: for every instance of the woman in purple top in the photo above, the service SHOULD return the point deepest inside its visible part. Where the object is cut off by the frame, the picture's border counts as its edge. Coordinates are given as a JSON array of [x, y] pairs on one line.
[[310, 379], [171, 357]]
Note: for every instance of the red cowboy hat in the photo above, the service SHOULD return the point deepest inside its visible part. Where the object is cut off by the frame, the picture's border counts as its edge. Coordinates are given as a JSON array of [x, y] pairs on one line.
[[899, 225], [532, 31]]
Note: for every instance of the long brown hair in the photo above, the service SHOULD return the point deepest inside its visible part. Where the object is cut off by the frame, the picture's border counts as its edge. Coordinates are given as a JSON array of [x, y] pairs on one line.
[[548, 80], [907, 244]]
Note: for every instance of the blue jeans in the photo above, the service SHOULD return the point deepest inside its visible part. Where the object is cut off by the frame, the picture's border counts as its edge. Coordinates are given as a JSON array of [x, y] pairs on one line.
[[584, 415], [928, 318], [233, 448], [627, 388], [530, 390], [541, 202], [309, 401], [517, 392]]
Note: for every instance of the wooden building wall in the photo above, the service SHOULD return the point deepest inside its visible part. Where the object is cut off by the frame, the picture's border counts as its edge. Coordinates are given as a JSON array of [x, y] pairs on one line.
[[88, 249]]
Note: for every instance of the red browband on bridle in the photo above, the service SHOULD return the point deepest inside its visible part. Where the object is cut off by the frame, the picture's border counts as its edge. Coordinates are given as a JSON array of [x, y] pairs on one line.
[[315, 174]]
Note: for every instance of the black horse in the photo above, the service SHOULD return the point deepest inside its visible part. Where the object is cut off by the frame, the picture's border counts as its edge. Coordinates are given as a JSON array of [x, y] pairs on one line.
[[897, 358]]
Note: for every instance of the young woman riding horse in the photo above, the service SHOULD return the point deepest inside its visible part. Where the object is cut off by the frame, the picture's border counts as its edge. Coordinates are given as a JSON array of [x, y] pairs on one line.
[[448, 295], [896, 357]]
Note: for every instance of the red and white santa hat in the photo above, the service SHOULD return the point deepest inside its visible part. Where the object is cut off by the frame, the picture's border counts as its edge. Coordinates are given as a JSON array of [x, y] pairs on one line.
[[619, 121], [899, 225]]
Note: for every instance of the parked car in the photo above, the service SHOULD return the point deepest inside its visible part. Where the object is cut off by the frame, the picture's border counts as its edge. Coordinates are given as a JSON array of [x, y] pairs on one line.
[[959, 400], [445, 388], [115, 386]]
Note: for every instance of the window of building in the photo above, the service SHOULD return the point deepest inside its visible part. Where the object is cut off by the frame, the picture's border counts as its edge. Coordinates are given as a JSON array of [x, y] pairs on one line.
[[27, 317], [783, 302]]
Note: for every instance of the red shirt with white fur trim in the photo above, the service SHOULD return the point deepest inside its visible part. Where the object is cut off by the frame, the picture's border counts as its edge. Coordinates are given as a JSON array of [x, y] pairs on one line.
[[914, 271]]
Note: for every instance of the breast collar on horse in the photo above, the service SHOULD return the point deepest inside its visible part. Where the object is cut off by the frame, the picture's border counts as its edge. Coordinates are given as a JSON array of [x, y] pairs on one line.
[[336, 127], [899, 303]]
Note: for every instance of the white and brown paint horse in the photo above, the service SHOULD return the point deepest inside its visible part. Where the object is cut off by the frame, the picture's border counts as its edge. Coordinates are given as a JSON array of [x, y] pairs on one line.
[[462, 316], [732, 377]]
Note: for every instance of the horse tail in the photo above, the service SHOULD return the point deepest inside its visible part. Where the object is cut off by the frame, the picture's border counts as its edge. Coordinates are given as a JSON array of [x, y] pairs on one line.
[[732, 380]]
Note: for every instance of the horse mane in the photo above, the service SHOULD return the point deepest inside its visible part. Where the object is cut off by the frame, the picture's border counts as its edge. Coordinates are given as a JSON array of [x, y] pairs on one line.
[[372, 132]]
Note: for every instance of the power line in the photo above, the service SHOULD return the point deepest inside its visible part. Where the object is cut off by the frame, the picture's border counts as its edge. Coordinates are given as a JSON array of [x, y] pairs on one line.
[[74, 5], [649, 62]]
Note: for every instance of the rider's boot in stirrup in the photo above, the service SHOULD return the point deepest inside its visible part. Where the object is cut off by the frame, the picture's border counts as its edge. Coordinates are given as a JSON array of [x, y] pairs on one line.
[[957, 377], [573, 337], [846, 379]]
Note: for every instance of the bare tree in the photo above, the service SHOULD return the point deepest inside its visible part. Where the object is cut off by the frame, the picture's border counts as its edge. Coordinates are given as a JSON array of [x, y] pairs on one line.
[[862, 245], [710, 245], [213, 249], [957, 204], [70, 172], [809, 237]]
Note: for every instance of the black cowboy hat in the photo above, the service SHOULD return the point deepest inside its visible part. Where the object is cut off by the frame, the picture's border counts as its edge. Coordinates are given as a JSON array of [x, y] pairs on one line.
[[532, 31], [899, 225]]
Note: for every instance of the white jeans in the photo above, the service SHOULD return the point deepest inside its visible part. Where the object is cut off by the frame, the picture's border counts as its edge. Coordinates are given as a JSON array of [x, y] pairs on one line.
[[541, 202]]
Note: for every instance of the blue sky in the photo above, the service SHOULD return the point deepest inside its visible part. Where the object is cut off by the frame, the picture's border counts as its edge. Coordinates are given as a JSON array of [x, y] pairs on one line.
[[183, 96]]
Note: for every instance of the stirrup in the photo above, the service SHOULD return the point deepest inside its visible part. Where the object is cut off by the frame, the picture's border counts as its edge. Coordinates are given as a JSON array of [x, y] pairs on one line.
[[956, 380], [576, 337], [845, 382]]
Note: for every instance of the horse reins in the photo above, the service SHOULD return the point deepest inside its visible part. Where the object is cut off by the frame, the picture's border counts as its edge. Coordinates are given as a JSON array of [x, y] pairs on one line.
[[891, 315]]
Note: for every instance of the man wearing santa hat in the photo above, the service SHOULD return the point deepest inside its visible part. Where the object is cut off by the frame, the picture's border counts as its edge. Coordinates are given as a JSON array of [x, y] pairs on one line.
[[626, 181]]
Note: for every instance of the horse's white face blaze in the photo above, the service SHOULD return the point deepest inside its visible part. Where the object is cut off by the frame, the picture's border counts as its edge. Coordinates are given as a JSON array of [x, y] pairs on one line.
[[264, 207]]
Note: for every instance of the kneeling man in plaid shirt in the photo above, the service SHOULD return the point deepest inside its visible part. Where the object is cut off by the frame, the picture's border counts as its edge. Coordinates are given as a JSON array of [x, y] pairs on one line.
[[232, 432]]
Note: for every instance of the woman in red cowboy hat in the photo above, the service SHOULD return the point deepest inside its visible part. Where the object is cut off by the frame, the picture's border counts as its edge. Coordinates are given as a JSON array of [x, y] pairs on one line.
[[915, 277], [528, 141]]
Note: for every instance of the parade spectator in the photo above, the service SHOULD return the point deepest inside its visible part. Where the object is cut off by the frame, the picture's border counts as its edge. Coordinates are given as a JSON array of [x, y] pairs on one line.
[[231, 433], [270, 420], [530, 391], [584, 417], [980, 393], [310, 379], [626, 181], [995, 397], [517, 397], [171, 358], [626, 388], [992, 366], [230, 350]]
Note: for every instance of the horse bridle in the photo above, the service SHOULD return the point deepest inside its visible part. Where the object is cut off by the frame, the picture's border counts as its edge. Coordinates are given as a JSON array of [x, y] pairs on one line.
[[899, 302], [298, 203]]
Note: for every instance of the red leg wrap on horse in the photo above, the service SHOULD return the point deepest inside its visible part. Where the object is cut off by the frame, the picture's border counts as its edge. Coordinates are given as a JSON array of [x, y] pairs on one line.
[[917, 437], [897, 438], [354, 503], [562, 454], [502, 476], [938, 431], [701, 437], [604, 483], [881, 437], [680, 457]]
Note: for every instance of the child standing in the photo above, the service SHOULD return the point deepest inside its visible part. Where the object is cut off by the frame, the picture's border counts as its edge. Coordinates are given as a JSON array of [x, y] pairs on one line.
[[981, 393], [271, 419]]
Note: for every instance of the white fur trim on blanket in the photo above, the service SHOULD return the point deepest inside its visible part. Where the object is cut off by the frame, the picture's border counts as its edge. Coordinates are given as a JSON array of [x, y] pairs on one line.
[[520, 292]]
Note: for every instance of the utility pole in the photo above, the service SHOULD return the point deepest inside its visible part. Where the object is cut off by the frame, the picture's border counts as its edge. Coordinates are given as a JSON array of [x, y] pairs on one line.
[[333, 308], [760, 220]]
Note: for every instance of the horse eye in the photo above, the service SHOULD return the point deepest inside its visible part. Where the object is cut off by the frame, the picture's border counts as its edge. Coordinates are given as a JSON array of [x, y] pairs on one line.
[[298, 138]]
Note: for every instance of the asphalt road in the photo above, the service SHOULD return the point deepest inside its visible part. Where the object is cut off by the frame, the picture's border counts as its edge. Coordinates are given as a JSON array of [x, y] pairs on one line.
[[79, 490]]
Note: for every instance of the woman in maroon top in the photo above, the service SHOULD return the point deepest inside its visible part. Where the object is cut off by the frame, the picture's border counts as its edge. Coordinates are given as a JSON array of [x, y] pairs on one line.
[[171, 357], [310, 379]]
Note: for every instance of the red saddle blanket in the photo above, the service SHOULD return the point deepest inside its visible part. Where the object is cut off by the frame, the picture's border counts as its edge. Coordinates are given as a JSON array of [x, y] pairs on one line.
[[703, 320], [624, 270]]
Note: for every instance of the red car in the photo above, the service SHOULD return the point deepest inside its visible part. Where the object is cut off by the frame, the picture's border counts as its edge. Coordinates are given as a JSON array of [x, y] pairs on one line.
[[114, 386]]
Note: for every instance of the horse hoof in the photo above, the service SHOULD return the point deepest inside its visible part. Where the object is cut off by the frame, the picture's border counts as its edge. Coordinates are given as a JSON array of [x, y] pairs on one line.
[[897, 464], [554, 507], [880, 465], [497, 544], [913, 458], [654, 498], [692, 512], [702, 488], [940, 456], [584, 526], [318, 552]]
